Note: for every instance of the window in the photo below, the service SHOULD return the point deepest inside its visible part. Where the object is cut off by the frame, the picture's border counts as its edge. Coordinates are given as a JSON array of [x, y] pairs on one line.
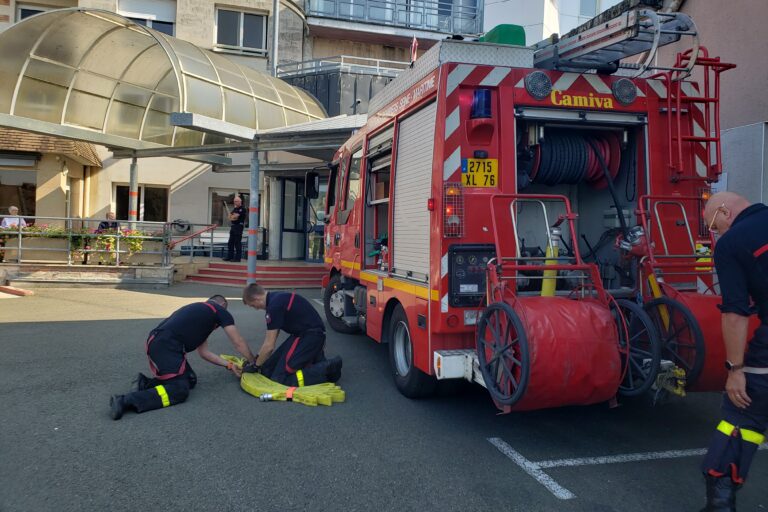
[[220, 198], [161, 26], [25, 11], [293, 206], [330, 201], [158, 15], [353, 187], [241, 31], [153, 203]]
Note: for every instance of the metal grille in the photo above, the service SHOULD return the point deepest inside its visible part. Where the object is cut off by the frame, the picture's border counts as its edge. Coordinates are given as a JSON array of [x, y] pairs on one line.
[[453, 210]]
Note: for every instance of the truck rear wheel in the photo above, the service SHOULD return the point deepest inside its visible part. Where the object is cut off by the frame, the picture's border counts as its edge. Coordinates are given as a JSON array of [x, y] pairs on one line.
[[333, 304], [411, 381], [682, 341]]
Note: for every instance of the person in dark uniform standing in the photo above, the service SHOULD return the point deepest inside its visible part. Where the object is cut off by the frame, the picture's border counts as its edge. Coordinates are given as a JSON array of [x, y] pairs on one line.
[[300, 359], [741, 260], [187, 329], [237, 219]]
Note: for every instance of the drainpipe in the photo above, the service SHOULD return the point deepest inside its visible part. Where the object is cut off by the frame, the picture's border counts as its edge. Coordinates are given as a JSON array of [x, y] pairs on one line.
[[275, 25]]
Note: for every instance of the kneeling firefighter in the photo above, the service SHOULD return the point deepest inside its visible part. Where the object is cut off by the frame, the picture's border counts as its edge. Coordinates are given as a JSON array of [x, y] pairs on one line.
[[300, 359], [187, 329], [741, 259]]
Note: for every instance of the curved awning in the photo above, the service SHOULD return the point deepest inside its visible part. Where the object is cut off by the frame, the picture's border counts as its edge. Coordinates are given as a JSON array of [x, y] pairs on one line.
[[96, 76]]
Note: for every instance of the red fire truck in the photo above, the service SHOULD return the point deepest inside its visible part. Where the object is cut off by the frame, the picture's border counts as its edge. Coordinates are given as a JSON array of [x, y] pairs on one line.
[[529, 218]]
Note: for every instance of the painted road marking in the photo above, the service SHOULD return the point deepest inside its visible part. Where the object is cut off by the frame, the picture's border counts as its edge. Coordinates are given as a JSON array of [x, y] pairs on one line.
[[532, 469], [535, 468]]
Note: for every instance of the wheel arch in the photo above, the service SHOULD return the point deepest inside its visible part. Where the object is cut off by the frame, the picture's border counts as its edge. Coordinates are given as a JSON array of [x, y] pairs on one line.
[[386, 320]]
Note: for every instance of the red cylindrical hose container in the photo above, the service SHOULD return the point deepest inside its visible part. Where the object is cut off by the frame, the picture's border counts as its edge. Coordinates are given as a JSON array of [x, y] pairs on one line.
[[705, 311], [573, 348]]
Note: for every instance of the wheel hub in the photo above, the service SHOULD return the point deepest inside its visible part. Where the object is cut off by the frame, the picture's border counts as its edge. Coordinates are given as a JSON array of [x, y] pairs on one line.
[[336, 304]]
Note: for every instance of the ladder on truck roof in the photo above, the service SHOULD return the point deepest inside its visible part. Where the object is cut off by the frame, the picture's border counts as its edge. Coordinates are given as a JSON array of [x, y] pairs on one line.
[[604, 41]]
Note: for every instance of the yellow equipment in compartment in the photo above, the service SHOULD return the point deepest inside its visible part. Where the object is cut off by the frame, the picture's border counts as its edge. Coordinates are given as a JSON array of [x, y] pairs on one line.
[[268, 390]]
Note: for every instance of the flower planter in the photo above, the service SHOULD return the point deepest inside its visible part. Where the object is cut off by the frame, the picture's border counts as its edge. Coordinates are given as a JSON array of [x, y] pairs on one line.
[[36, 249]]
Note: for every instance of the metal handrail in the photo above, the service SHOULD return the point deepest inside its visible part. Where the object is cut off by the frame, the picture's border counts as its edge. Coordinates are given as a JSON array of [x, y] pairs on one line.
[[432, 15], [344, 63], [173, 244]]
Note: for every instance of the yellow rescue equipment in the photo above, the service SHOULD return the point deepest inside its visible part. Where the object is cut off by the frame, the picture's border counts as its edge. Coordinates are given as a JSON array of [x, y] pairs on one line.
[[267, 390]]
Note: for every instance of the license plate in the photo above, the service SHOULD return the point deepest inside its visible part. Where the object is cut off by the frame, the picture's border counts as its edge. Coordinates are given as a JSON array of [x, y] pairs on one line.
[[480, 172]]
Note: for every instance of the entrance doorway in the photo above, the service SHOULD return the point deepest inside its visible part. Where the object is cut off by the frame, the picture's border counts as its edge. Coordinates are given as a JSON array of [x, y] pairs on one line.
[[294, 228], [316, 227]]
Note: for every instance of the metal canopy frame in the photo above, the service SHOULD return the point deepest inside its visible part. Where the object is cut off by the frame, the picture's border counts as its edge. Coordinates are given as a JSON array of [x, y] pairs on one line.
[[318, 139]]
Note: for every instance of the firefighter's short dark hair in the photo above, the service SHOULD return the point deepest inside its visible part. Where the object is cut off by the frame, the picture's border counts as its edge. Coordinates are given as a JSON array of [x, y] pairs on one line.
[[219, 299], [252, 291]]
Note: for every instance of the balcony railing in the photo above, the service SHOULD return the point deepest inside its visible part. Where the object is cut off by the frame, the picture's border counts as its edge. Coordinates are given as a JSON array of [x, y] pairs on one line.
[[343, 63], [444, 16]]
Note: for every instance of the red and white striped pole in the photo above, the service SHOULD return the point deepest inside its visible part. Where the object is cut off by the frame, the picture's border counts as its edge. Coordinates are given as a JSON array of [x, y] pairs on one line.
[[253, 219]]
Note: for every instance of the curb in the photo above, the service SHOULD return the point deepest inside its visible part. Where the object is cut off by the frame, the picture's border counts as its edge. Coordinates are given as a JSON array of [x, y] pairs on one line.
[[12, 290]]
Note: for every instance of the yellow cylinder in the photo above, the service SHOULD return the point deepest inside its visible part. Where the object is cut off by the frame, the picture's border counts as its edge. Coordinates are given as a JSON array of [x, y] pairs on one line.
[[550, 276]]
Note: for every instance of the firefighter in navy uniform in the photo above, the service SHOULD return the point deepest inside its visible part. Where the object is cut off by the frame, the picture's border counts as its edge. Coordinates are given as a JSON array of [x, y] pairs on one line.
[[741, 260], [235, 243], [300, 359], [187, 329]]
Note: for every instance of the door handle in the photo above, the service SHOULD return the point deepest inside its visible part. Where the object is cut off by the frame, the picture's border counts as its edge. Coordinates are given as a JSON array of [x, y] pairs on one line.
[[336, 238], [357, 239]]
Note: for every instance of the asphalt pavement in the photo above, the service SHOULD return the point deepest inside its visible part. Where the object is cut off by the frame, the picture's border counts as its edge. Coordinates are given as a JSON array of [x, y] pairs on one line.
[[65, 351]]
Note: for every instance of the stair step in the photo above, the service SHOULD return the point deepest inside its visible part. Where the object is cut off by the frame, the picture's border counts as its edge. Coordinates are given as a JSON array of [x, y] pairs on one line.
[[263, 274], [266, 283], [264, 268]]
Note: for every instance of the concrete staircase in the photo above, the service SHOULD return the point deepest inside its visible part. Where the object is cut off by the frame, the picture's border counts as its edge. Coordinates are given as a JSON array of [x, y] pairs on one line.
[[271, 275]]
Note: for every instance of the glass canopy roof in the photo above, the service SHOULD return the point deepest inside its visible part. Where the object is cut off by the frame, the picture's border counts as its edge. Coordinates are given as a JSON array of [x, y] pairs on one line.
[[98, 76]]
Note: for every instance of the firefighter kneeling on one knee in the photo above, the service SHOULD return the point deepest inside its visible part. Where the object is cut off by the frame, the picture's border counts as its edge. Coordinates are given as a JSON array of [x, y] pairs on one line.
[[185, 330], [741, 259], [300, 359]]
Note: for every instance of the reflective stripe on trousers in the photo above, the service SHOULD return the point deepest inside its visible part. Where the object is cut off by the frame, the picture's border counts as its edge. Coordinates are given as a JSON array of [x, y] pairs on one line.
[[163, 395], [747, 435]]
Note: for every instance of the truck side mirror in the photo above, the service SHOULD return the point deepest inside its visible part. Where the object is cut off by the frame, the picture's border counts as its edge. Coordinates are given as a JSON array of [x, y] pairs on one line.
[[311, 185]]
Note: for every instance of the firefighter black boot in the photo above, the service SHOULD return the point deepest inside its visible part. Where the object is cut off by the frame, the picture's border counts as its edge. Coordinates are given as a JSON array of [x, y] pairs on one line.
[[333, 369], [721, 494], [117, 406]]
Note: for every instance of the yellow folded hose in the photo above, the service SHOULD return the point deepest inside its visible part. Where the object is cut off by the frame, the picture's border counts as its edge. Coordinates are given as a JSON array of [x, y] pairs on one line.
[[266, 390]]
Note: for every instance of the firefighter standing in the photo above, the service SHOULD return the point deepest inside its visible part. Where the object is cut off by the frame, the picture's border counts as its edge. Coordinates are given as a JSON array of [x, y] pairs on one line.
[[235, 242], [185, 330], [300, 359], [741, 259]]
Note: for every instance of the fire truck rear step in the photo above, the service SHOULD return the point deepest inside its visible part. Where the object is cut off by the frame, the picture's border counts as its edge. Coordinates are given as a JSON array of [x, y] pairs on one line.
[[458, 364]]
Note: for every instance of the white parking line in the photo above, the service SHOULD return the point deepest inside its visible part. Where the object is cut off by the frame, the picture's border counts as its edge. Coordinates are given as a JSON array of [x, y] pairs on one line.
[[535, 468], [532, 469]]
